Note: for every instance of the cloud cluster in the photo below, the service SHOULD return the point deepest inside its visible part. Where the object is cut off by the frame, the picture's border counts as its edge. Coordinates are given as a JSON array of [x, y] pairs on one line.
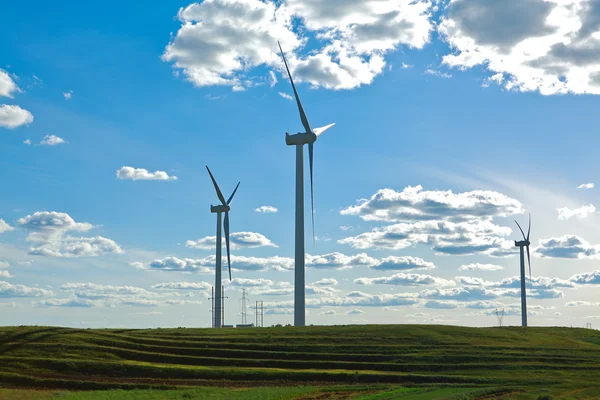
[[8, 290], [52, 140], [219, 41], [7, 85], [565, 213], [402, 279], [550, 46], [14, 116], [49, 231], [480, 267], [141, 174], [237, 240], [207, 264], [4, 266], [568, 246]]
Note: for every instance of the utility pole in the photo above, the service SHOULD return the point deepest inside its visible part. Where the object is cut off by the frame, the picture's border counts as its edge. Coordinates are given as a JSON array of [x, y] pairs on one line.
[[223, 297]]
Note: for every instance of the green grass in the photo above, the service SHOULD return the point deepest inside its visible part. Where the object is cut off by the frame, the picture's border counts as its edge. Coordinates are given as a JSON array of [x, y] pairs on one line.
[[401, 361]]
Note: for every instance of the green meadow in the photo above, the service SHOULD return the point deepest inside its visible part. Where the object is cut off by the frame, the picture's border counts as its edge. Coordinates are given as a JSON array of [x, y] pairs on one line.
[[340, 362]]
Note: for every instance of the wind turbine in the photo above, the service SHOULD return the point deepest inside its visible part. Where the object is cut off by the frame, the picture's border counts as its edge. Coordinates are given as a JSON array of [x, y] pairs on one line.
[[219, 210], [309, 136], [524, 244]]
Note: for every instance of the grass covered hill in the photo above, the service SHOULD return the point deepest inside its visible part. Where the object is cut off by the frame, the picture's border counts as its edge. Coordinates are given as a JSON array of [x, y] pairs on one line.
[[560, 360]]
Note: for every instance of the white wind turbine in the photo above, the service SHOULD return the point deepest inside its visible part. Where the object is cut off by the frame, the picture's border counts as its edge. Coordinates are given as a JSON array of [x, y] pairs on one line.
[[219, 210], [524, 244], [299, 140]]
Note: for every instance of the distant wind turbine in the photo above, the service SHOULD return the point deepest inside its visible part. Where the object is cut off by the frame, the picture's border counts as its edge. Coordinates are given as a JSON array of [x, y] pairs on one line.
[[299, 140], [524, 244], [220, 209]]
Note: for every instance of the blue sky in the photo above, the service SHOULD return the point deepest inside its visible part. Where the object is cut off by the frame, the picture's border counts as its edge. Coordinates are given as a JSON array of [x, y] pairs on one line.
[[488, 122]]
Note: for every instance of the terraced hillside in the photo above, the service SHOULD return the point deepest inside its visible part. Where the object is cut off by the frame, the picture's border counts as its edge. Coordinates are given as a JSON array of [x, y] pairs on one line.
[[508, 359]]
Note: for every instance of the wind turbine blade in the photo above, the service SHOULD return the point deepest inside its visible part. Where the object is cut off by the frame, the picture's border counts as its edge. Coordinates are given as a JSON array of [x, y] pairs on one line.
[[216, 187], [521, 230], [233, 194], [529, 262], [312, 193], [226, 225], [529, 229], [300, 108], [319, 131]]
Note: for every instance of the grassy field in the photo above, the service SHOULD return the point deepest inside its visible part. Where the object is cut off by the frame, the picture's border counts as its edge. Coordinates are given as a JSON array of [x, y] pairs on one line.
[[343, 362]]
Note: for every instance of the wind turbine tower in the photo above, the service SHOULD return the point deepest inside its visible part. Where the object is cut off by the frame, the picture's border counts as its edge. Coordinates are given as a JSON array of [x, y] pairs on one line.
[[299, 140], [224, 207], [522, 245]]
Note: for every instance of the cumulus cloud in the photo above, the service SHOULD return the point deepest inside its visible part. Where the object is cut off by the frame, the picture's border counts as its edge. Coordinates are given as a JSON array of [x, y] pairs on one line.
[[14, 116], [266, 209], [416, 204], [4, 227], [480, 267], [141, 174], [550, 46], [7, 85], [514, 282], [49, 232], [220, 41], [403, 263], [355, 312], [581, 303], [586, 186], [7, 291], [568, 246], [444, 237], [582, 212], [328, 313], [52, 140], [207, 264], [68, 95], [586, 278], [69, 303], [325, 282], [440, 305], [238, 240], [183, 286], [339, 261], [405, 280]]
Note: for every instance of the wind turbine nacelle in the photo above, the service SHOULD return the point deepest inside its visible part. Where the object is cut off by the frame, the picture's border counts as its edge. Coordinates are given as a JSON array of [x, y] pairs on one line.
[[300, 139], [219, 209], [522, 243]]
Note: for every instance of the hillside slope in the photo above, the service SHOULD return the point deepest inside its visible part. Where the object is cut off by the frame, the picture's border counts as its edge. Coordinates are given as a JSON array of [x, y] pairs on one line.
[[400, 354]]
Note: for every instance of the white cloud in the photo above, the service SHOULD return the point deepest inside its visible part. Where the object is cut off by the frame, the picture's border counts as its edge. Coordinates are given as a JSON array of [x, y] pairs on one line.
[[52, 140], [339, 261], [7, 85], [444, 237], [14, 116], [4, 265], [7, 291], [68, 95], [480, 267], [550, 46], [568, 246], [586, 186], [440, 305], [48, 230], [435, 72], [586, 278], [266, 209], [328, 313], [415, 204], [141, 174], [285, 96], [353, 299], [514, 282], [355, 312], [207, 264], [221, 41], [580, 303], [5, 274], [402, 279], [183, 286], [325, 282], [582, 212], [27, 142], [403, 263], [272, 79], [73, 302], [4, 227], [237, 240]]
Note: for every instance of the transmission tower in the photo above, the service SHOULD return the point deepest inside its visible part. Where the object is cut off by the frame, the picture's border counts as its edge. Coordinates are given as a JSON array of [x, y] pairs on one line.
[[500, 315], [243, 306], [213, 311], [259, 313], [588, 325]]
